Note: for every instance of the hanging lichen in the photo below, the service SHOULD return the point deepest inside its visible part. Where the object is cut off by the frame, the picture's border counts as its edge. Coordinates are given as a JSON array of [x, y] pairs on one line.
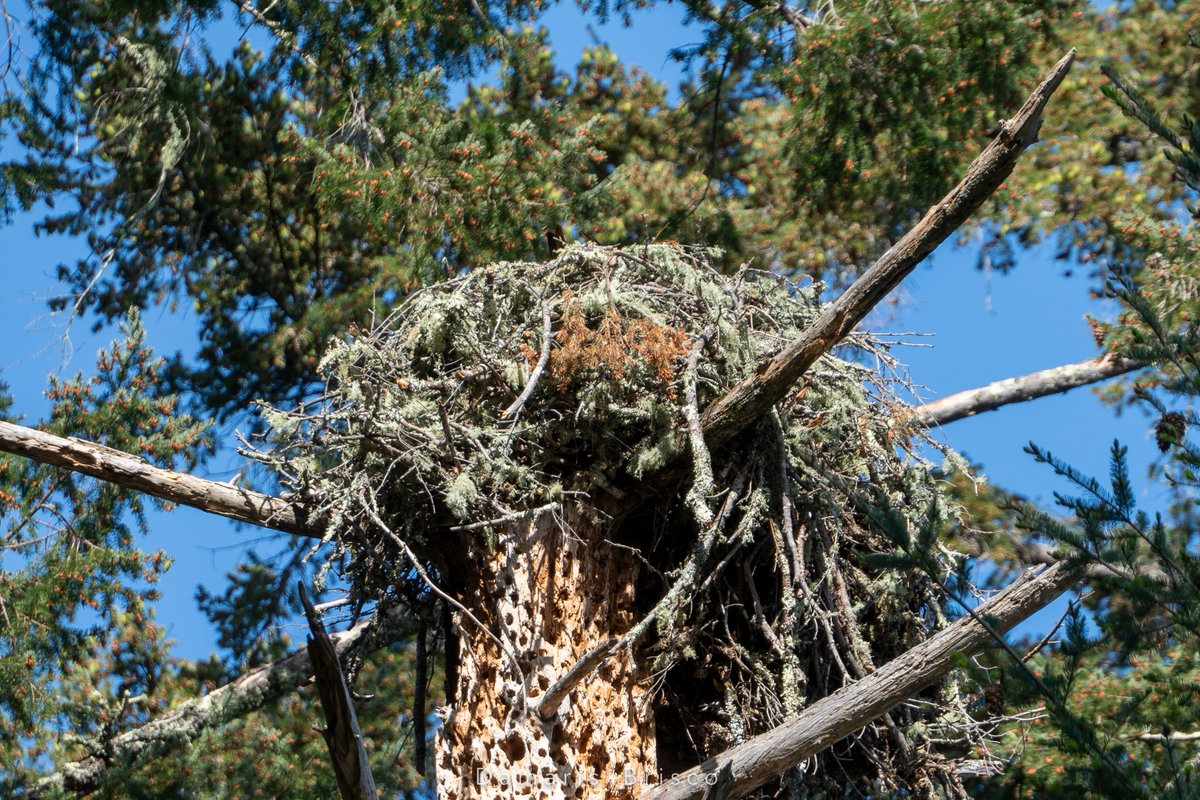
[[516, 390]]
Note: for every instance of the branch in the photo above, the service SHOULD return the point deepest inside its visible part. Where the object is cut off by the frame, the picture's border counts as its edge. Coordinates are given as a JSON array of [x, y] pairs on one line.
[[852, 707], [754, 396], [180, 726], [343, 736], [1018, 390], [133, 472], [549, 702], [1163, 737]]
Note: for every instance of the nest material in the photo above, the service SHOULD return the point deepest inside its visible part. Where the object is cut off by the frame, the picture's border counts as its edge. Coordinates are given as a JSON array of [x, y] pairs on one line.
[[515, 389]]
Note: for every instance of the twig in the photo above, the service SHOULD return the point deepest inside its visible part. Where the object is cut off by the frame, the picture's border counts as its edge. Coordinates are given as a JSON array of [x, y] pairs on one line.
[[1045, 640], [505, 520], [547, 339]]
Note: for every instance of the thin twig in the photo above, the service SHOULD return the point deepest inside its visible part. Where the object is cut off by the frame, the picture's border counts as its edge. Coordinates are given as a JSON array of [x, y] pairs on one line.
[[547, 339]]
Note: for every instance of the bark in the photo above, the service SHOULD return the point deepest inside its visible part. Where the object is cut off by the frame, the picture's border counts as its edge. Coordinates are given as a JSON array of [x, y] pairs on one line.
[[826, 721], [342, 734], [133, 472], [1018, 390], [547, 594], [180, 726], [754, 396]]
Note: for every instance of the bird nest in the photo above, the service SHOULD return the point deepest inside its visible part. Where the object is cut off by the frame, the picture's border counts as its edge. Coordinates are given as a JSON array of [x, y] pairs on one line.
[[513, 390]]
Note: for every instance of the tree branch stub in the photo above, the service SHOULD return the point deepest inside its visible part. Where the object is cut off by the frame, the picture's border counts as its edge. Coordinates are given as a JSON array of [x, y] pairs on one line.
[[750, 399]]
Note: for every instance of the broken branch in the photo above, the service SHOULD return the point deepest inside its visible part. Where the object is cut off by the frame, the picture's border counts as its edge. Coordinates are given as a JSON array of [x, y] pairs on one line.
[[829, 719], [753, 397], [1020, 389], [133, 472], [343, 736]]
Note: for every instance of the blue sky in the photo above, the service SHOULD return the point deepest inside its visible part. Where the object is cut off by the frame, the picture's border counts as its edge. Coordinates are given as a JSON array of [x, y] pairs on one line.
[[982, 329]]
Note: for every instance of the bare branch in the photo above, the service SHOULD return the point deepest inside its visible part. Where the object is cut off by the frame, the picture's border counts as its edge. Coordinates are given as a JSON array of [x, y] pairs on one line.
[[1163, 737], [826, 721], [133, 472], [549, 702], [343, 736], [750, 399], [180, 726], [543, 359], [1018, 390]]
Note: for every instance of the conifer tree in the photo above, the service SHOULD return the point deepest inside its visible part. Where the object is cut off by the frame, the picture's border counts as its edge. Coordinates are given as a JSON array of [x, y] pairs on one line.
[[487, 367]]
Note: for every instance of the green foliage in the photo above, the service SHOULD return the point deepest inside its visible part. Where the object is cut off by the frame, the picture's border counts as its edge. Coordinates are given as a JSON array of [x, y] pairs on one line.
[[73, 577], [247, 612], [303, 180]]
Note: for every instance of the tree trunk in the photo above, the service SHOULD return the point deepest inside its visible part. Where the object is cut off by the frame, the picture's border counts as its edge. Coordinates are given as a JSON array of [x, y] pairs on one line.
[[547, 593]]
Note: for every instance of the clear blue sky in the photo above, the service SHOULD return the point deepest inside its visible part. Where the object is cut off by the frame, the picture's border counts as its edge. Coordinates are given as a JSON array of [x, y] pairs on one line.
[[982, 330]]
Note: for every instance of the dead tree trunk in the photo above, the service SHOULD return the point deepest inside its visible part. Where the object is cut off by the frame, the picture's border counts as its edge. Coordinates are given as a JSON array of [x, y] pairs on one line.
[[548, 594]]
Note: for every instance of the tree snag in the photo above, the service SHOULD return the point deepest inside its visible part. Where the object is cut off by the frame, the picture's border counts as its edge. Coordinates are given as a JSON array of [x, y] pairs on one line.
[[548, 592]]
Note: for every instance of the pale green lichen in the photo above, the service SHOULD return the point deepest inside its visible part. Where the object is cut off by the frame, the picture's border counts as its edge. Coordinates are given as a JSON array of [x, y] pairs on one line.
[[438, 422]]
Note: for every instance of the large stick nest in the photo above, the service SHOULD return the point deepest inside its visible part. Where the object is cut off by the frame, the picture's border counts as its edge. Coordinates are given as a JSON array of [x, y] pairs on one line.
[[514, 390]]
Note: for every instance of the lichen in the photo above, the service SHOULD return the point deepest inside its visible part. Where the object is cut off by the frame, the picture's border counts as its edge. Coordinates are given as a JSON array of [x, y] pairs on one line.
[[521, 387]]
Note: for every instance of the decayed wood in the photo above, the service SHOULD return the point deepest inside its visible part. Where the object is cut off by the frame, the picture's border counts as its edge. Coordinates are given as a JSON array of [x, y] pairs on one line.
[[519, 724], [754, 396], [180, 726], [829, 719], [1020, 389], [133, 472], [347, 751]]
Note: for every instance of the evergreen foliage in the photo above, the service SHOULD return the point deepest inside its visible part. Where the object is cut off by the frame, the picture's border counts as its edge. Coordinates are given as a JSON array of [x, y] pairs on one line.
[[302, 181], [316, 176]]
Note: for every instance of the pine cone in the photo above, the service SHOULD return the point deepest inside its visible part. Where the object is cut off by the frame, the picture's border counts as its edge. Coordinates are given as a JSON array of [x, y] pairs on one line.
[[1170, 430]]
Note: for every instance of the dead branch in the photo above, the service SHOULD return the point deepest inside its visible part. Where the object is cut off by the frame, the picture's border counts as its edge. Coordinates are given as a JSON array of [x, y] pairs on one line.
[[1020, 389], [549, 702], [753, 397], [829, 719], [133, 472], [543, 359], [343, 736], [1158, 738], [180, 726]]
